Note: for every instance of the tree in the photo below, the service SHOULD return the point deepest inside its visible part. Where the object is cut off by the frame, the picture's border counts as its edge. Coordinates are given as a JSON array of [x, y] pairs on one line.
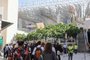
[[72, 31], [20, 37], [54, 31], [32, 36]]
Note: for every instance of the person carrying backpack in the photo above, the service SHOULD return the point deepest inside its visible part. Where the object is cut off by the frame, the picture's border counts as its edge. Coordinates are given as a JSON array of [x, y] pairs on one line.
[[37, 52], [10, 52], [19, 51], [32, 48], [19, 54], [26, 52]]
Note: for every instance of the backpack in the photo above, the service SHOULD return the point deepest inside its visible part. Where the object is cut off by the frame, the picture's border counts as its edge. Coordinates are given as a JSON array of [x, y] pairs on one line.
[[19, 53], [38, 53], [9, 52], [26, 51]]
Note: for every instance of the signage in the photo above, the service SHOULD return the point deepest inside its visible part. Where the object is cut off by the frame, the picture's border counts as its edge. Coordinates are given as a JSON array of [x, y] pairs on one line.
[[1, 40], [40, 25]]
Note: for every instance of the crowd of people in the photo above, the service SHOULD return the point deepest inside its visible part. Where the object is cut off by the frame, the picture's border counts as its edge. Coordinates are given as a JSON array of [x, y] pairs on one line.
[[38, 51]]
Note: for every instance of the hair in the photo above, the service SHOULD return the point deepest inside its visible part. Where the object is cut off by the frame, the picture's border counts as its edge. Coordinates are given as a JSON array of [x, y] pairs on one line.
[[20, 43], [48, 48], [38, 43]]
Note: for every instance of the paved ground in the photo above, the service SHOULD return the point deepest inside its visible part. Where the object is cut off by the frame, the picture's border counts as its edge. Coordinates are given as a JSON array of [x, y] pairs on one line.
[[1, 58], [78, 56]]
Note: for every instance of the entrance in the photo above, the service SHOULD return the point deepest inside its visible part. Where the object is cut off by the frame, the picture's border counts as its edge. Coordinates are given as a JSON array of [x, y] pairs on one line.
[[88, 38]]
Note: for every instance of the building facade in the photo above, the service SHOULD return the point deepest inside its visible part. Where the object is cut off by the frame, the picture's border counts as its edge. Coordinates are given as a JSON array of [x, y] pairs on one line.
[[9, 13]]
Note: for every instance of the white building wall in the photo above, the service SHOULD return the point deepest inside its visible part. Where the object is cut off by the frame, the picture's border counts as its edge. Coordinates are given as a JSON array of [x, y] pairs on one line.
[[13, 18], [5, 9], [4, 6]]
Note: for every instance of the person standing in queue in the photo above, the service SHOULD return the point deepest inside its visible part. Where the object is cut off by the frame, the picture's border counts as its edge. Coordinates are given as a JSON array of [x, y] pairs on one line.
[[65, 48], [48, 53], [70, 52], [59, 50]]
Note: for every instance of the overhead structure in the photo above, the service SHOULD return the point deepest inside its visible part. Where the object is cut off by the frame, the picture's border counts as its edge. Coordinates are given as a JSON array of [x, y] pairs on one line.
[[5, 24]]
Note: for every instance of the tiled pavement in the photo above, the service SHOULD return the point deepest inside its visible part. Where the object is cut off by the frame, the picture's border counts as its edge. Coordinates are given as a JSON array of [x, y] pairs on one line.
[[78, 56]]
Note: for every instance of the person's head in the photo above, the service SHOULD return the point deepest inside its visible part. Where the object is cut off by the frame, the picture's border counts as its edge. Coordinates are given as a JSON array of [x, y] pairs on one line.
[[6, 45], [57, 43], [39, 43], [20, 43], [48, 48]]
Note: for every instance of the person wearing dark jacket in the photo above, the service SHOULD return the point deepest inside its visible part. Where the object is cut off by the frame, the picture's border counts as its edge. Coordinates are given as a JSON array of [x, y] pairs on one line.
[[59, 50], [5, 51], [48, 54]]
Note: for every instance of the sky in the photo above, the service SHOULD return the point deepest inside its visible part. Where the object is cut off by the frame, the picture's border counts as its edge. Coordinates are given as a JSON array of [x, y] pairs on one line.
[[23, 3], [26, 3]]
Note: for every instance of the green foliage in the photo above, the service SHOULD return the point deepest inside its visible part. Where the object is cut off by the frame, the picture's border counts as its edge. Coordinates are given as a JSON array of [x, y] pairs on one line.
[[55, 31], [32, 36], [20, 37], [72, 31]]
